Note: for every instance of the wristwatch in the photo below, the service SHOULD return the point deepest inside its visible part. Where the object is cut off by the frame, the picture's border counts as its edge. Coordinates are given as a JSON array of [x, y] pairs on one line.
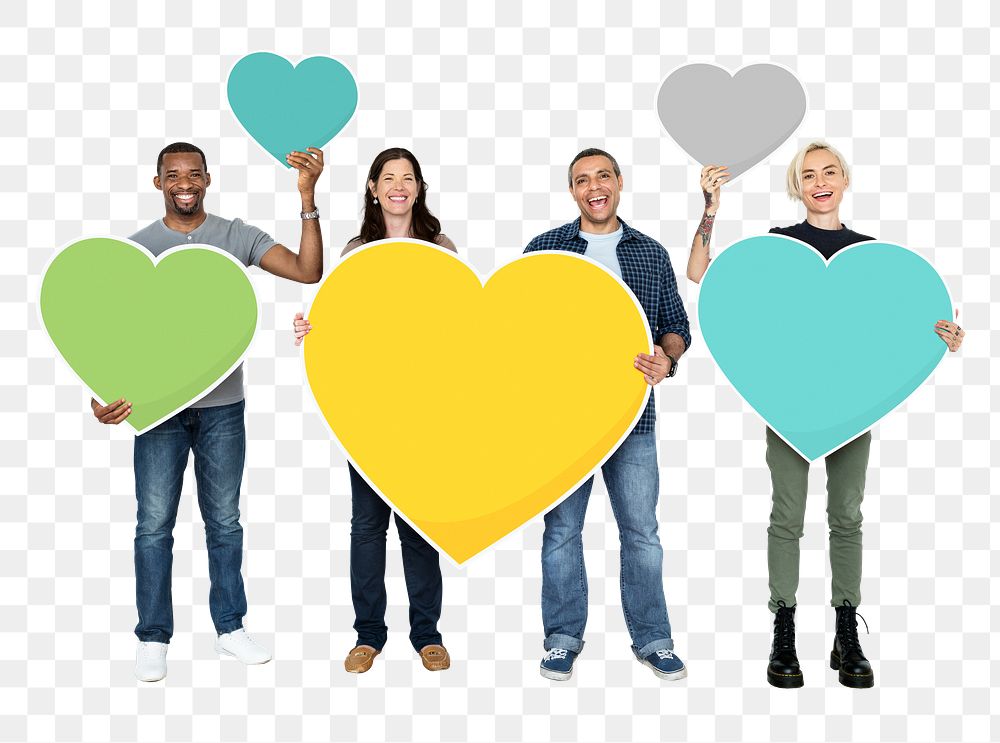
[[314, 214], [673, 364]]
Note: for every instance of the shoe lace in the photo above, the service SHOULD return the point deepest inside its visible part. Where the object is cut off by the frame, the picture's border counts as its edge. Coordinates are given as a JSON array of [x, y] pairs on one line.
[[556, 654], [664, 654], [847, 626], [784, 627]]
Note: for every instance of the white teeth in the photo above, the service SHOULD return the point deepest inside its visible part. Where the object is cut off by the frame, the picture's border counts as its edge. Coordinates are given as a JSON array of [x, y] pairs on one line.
[[597, 198]]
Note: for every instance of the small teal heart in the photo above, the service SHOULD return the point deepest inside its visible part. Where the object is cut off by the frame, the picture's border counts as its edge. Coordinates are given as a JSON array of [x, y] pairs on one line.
[[822, 351], [285, 108]]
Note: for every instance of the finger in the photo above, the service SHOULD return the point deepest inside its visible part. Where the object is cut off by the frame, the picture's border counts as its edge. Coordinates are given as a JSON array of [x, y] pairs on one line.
[[946, 338], [298, 316], [122, 416], [658, 360], [299, 164], [956, 313], [118, 414], [301, 157], [102, 410], [651, 368], [317, 153], [706, 169]]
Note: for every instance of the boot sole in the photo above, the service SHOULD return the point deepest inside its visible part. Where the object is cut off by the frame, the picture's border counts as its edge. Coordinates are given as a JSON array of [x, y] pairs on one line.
[[851, 680], [784, 680]]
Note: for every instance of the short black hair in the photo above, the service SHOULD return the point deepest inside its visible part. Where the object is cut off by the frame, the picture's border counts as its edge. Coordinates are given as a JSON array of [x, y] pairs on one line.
[[179, 147], [592, 152]]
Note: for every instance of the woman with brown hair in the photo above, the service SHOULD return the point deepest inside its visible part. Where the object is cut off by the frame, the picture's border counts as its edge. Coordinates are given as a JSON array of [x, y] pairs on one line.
[[395, 205]]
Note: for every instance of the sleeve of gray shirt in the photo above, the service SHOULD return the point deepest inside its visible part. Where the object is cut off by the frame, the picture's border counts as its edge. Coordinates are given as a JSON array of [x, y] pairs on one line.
[[253, 240]]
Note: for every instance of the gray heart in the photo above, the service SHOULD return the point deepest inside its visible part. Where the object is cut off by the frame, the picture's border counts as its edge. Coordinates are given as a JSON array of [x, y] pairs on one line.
[[762, 105]]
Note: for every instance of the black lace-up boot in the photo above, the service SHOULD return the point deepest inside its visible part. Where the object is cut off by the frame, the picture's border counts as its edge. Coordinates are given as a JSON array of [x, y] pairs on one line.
[[783, 671], [847, 657]]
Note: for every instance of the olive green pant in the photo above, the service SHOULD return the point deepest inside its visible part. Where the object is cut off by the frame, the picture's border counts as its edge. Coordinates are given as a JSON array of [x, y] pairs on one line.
[[845, 487]]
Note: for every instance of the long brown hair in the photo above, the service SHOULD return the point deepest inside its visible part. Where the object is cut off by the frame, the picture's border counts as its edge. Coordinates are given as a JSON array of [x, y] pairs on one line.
[[423, 226]]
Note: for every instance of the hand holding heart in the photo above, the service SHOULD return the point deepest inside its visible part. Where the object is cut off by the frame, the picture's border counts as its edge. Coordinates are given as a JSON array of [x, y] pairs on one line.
[[655, 368], [310, 165]]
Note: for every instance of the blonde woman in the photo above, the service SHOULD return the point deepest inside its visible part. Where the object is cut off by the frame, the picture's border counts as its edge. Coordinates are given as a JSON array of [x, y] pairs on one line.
[[818, 176]]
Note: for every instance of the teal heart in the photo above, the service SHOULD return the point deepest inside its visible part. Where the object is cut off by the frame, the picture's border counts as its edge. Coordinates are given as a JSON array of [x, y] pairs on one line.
[[285, 108], [159, 332], [822, 351]]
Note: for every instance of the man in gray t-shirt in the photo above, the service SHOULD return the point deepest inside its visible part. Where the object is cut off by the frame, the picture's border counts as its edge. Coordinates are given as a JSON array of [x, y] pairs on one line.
[[213, 427]]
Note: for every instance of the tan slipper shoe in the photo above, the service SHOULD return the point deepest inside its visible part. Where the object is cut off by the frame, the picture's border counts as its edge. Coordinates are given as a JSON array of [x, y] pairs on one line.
[[435, 658], [360, 659]]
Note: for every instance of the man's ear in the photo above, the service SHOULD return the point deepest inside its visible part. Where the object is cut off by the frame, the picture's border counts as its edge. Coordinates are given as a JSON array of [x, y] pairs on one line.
[[208, 179], [156, 182], [621, 184]]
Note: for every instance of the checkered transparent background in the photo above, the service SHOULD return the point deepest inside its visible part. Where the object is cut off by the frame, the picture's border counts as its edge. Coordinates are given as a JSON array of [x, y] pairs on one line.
[[495, 101]]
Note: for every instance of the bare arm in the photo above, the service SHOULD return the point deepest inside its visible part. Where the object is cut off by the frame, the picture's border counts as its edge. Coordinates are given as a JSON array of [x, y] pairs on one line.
[[306, 266], [672, 345], [712, 178]]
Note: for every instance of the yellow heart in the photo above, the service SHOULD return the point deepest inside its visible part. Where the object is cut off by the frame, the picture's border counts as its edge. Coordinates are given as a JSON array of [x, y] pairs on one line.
[[472, 408]]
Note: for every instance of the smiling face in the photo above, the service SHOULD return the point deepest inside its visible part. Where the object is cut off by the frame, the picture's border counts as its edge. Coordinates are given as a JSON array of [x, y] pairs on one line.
[[397, 187], [823, 182], [183, 180], [597, 191]]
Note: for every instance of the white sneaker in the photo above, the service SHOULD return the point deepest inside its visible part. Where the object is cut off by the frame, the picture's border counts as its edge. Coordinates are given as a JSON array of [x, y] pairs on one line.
[[237, 644], [151, 661]]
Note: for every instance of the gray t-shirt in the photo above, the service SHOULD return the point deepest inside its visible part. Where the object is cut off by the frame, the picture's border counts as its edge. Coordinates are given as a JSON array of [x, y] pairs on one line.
[[245, 242]]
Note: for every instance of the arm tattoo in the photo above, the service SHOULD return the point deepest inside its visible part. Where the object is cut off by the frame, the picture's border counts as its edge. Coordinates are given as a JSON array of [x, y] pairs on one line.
[[705, 229], [708, 198]]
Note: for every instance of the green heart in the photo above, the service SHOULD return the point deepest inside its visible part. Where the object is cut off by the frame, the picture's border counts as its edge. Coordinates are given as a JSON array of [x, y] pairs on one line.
[[160, 332]]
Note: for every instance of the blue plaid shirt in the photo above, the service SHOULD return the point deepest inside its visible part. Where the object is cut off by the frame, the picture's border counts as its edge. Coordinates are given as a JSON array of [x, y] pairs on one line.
[[646, 270]]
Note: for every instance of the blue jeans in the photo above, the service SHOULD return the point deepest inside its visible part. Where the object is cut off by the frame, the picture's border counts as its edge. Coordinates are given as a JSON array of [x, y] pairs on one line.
[[421, 568], [217, 437], [632, 477]]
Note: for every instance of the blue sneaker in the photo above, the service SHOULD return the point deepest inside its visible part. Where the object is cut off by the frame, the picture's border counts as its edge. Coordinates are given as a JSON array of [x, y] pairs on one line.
[[558, 664], [665, 665]]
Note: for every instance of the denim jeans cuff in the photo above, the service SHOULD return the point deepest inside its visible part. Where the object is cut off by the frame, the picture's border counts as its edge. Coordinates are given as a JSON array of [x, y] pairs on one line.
[[227, 629], [651, 647], [565, 642], [154, 637]]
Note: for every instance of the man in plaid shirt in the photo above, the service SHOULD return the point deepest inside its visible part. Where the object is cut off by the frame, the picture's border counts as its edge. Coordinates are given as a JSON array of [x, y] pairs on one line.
[[631, 474]]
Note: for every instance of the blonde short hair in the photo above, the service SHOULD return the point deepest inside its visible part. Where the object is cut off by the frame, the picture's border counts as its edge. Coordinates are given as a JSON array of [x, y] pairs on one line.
[[793, 181]]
